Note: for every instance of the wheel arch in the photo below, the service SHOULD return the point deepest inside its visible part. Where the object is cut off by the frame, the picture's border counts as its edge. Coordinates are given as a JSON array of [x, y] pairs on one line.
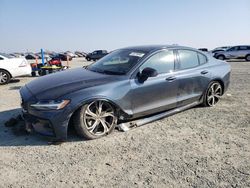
[[221, 83], [120, 112], [7, 72]]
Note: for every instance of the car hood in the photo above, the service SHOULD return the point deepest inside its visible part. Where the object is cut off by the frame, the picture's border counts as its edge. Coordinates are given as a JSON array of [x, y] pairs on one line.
[[58, 84]]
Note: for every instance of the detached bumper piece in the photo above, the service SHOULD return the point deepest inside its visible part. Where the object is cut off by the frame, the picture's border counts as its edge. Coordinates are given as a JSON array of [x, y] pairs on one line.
[[136, 123], [40, 126]]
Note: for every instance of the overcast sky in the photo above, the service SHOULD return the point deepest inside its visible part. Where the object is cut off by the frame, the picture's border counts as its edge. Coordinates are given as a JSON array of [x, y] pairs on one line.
[[28, 25]]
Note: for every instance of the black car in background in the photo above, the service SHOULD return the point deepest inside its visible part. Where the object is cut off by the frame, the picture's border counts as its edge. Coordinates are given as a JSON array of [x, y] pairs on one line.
[[95, 55]]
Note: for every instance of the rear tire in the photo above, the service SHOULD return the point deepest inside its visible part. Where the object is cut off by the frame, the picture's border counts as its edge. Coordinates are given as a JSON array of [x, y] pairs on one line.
[[4, 77], [221, 57], [248, 57], [212, 94], [95, 120]]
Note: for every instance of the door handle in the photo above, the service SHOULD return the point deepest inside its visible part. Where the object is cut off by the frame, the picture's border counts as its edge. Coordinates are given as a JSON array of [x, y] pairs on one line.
[[171, 78], [204, 72]]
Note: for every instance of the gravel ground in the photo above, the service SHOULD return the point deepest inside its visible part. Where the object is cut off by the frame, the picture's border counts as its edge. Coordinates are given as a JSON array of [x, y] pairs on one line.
[[201, 147]]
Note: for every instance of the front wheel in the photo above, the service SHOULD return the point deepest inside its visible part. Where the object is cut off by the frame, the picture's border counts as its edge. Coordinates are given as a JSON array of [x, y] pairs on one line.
[[248, 57], [4, 77], [213, 94], [221, 57], [95, 119]]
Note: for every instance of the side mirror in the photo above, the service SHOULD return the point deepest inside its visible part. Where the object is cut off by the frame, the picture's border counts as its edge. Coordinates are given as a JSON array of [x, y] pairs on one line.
[[146, 73]]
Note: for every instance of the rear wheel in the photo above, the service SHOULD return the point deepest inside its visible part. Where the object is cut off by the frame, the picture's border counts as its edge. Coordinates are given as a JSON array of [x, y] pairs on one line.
[[213, 94], [221, 57], [248, 57], [95, 119], [4, 77]]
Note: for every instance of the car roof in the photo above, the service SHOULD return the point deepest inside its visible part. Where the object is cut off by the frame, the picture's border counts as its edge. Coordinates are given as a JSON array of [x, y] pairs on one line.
[[149, 48]]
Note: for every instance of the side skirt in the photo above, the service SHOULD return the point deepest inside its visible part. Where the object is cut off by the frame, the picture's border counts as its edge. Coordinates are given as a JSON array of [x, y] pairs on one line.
[[136, 123]]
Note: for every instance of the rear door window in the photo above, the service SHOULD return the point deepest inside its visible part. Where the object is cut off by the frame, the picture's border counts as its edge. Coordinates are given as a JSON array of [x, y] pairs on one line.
[[202, 58], [243, 48], [188, 59]]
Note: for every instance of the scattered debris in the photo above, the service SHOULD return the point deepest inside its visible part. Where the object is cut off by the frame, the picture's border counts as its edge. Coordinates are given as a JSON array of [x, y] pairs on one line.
[[56, 142]]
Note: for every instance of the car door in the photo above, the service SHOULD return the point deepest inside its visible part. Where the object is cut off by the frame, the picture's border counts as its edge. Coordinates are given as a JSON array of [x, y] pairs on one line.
[[156, 93], [243, 51], [192, 76], [232, 52]]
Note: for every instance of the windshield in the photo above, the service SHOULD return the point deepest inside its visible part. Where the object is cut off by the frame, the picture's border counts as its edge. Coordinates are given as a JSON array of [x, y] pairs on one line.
[[5, 55], [118, 62]]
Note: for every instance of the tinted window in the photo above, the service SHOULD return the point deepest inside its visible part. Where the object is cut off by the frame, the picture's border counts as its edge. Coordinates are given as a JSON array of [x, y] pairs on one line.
[[244, 47], [202, 58], [233, 48], [188, 59], [163, 62]]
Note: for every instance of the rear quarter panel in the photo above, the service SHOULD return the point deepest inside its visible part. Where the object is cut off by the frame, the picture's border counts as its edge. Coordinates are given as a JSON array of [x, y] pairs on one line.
[[220, 70]]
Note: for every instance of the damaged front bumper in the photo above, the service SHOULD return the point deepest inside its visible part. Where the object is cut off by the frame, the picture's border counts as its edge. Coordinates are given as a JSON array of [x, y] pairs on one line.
[[50, 123], [39, 125]]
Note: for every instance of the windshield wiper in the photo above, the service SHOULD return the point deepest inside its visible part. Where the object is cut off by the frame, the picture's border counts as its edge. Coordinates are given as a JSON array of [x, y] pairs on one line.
[[113, 72]]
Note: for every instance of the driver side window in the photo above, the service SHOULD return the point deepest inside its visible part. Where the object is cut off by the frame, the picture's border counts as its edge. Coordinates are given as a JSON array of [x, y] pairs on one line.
[[162, 62]]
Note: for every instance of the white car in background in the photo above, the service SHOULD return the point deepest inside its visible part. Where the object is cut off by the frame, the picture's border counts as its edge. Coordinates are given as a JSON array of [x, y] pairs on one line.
[[12, 67]]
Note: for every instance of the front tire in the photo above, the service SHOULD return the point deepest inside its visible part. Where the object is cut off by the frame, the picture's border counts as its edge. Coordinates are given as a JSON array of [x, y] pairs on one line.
[[95, 119], [4, 77], [221, 57], [248, 57], [212, 94]]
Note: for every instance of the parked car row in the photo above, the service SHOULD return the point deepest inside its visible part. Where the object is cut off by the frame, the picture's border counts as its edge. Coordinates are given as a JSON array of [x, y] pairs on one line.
[[230, 52], [93, 56], [235, 52]]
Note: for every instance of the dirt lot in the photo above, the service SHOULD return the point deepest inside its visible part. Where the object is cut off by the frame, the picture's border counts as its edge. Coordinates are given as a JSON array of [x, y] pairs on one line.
[[201, 147]]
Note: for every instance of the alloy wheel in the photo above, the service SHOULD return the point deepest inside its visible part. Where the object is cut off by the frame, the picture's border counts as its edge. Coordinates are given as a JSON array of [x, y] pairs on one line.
[[214, 94], [220, 57], [3, 77], [99, 118]]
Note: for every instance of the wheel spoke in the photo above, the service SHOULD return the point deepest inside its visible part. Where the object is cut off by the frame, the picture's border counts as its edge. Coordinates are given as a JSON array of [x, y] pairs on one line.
[[209, 98], [92, 128], [105, 125], [218, 88], [217, 96], [107, 114], [89, 112], [212, 89], [100, 107], [213, 100]]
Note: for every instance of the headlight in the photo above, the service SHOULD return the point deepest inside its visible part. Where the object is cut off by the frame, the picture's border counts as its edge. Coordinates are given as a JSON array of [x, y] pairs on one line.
[[50, 105]]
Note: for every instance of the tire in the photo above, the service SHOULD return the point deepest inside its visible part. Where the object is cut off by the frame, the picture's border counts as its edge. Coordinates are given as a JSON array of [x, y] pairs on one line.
[[213, 94], [248, 57], [221, 57], [88, 59], [95, 120], [4, 77]]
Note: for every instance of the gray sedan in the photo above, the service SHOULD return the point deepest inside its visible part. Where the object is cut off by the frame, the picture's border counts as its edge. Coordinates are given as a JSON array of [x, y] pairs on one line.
[[128, 84]]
